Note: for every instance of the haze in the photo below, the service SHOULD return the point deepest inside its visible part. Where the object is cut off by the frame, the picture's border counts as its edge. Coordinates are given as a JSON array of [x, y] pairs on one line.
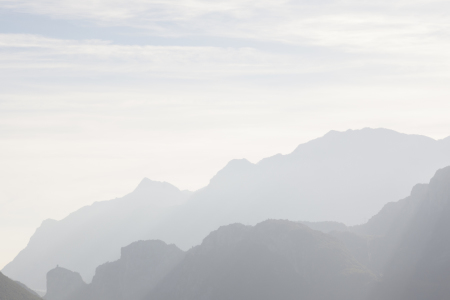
[[96, 96]]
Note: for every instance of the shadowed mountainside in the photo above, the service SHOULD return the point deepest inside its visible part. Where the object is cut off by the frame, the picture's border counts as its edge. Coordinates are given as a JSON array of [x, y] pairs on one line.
[[11, 290]]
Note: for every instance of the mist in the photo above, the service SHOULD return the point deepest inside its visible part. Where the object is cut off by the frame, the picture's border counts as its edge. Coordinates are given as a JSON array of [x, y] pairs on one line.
[[224, 150]]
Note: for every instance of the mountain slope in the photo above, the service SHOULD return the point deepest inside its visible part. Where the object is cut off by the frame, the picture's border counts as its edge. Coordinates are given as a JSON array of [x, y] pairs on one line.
[[92, 235], [11, 290], [273, 260]]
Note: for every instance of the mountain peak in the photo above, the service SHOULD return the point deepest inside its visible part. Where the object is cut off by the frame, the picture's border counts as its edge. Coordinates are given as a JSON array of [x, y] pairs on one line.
[[147, 185], [235, 170]]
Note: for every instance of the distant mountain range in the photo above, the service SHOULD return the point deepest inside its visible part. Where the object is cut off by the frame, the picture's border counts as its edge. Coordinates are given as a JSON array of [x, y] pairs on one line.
[[406, 259], [343, 177], [12, 290]]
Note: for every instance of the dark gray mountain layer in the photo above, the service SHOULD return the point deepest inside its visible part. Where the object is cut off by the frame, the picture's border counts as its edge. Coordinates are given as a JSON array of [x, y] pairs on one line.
[[94, 234], [273, 260], [342, 176]]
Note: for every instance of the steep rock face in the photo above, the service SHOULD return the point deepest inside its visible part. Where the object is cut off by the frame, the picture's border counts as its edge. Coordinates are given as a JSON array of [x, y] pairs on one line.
[[92, 235], [273, 260], [61, 283], [11, 290]]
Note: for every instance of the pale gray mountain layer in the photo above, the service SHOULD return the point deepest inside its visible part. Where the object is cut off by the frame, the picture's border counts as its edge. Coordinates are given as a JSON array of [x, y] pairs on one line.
[[343, 176]]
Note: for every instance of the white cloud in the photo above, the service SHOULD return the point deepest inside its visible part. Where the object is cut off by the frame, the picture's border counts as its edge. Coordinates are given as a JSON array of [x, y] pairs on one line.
[[351, 25], [23, 52]]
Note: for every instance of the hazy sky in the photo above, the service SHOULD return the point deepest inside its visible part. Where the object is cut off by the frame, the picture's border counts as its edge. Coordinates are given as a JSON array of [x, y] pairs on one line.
[[96, 95]]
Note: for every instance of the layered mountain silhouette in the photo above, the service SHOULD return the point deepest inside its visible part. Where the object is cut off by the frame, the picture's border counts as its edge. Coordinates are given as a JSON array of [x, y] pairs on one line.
[[327, 179], [272, 260], [12, 290], [94, 234]]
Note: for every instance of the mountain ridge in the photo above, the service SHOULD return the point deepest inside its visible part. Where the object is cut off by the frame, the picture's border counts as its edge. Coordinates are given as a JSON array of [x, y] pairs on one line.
[[318, 181]]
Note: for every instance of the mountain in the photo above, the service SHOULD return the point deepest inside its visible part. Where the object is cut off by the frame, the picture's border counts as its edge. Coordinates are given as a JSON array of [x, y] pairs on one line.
[[407, 243], [275, 259], [141, 266], [343, 177], [11, 290], [93, 234], [62, 283], [419, 265]]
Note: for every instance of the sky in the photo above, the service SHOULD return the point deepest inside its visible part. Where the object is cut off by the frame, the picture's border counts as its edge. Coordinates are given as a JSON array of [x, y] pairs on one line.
[[96, 95]]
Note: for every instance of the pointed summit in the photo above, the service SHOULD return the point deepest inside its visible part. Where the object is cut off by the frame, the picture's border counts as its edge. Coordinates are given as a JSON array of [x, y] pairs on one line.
[[148, 186]]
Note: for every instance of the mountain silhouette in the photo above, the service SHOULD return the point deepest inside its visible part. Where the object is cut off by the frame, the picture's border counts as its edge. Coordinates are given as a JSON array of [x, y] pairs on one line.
[[418, 267], [94, 234], [141, 267], [407, 243], [344, 177], [275, 259]]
